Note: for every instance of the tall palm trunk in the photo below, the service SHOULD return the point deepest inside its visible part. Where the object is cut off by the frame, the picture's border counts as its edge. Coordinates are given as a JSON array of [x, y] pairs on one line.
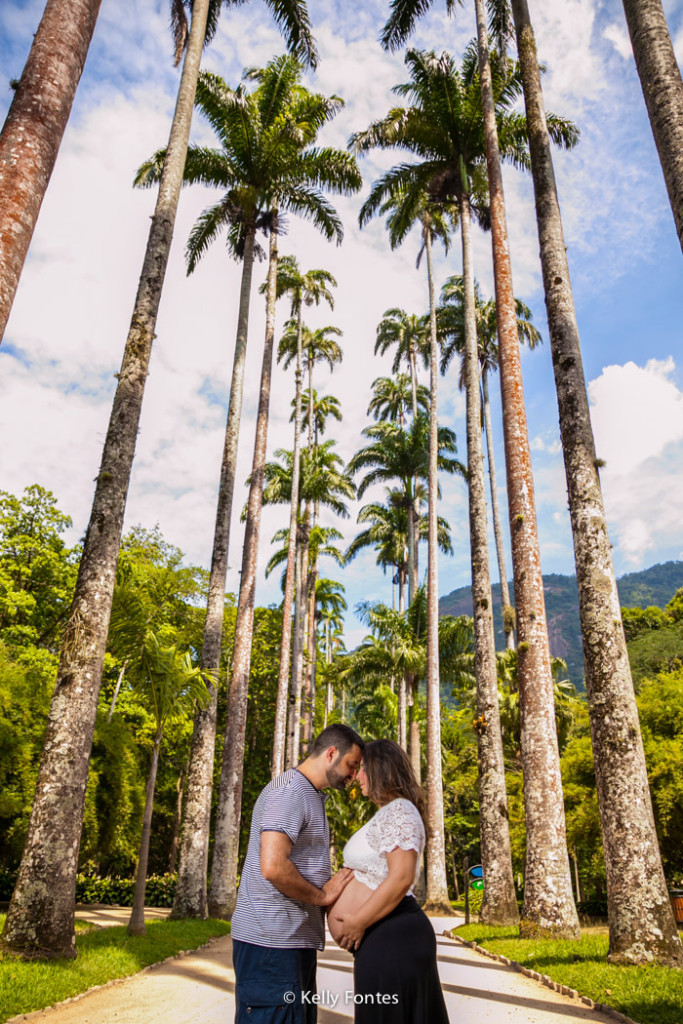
[[640, 917], [136, 924], [279, 742], [177, 821], [402, 736], [507, 610], [190, 897], [294, 722], [33, 131], [311, 651], [41, 915], [223, 889], [662, 86], [548, 899], [437, 882], [500, 905]]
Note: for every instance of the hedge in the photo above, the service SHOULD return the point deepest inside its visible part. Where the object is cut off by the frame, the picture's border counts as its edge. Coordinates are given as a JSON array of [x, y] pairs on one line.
[[160, 890]]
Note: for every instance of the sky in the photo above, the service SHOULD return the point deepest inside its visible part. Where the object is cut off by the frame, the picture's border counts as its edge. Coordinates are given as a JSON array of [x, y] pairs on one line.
[[65, 338]]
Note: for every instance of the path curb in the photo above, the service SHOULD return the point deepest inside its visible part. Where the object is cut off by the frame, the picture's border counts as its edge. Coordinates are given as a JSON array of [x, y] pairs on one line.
[[114, 981], [544, 979]]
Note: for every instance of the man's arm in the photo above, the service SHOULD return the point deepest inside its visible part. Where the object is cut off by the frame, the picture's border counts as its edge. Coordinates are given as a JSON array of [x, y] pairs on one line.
[[277, 868]]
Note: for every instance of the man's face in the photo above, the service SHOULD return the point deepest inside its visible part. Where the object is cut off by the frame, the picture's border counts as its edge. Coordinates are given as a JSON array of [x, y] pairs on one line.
[[342, 770]]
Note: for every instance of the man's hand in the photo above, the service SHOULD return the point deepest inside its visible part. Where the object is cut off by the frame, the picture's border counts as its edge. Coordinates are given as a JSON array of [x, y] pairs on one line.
[[352, 932], [333, 889]]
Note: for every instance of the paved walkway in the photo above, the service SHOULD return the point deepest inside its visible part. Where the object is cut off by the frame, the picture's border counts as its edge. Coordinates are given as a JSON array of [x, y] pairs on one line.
[[198, 988]]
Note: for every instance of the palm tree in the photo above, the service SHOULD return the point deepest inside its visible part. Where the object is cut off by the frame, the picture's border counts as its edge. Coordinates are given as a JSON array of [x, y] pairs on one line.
[[323, 408], [640, 917], [322, 482], [246, 165], [443, 126], [41, 915], [307, 289], [392, 398], [548, 905], [388, 534], [409, 335], [303, 173], [660, 79], [451, 317], [28, 144]]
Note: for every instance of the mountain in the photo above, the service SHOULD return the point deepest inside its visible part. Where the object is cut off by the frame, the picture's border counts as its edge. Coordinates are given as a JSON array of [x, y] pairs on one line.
[[653, 586]]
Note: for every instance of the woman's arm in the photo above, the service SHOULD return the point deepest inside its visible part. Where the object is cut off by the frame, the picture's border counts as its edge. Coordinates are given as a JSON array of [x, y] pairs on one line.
[[385, 898]]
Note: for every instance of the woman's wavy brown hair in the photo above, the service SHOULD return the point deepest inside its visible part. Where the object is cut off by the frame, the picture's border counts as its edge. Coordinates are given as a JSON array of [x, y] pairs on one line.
[[390, 775]]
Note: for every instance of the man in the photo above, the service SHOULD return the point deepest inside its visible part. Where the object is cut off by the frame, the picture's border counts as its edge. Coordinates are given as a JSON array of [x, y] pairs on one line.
[[279, 920]]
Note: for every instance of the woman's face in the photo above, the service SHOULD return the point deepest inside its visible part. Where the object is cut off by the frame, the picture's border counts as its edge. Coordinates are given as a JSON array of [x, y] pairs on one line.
[[362, 779]]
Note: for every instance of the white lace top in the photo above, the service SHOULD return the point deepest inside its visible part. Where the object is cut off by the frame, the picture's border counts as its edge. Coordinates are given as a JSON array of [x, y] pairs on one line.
[[396, 824]]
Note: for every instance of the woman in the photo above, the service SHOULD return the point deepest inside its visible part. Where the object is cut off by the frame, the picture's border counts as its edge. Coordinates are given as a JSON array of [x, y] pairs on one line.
[[377, 916]]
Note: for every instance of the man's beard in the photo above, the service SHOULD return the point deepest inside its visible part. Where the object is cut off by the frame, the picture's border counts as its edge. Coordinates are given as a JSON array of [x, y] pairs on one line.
[[335, 779]]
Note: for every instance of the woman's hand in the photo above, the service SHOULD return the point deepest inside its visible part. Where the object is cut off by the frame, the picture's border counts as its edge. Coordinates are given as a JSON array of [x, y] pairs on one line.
[[352, 931]]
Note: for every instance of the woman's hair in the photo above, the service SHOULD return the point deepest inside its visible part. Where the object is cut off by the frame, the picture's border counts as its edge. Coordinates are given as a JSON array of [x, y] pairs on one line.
[[390, 775]]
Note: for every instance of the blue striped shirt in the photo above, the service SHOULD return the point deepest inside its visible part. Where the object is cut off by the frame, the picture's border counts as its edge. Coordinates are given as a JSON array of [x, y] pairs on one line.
[[264, 916]]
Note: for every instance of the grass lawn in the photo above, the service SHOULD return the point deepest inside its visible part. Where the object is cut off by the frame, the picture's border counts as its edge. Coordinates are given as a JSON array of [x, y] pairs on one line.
[[649, 995], [103, 954]]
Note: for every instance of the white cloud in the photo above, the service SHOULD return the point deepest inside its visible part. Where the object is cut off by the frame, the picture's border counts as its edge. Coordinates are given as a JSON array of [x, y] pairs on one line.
[[618, 35], [637, 415]]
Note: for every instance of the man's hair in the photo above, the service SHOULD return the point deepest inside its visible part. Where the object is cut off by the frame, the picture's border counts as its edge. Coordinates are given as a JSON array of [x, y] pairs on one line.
[[343, 737]]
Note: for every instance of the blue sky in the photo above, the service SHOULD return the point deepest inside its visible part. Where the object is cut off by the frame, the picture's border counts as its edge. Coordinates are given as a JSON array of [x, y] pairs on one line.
[[66, 334]]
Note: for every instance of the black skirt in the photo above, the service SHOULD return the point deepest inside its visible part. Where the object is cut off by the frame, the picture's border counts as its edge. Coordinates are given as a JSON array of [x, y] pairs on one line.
[[395, 974]]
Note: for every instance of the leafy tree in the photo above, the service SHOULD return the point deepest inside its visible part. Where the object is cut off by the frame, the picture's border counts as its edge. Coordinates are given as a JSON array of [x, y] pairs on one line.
[[41, 917]]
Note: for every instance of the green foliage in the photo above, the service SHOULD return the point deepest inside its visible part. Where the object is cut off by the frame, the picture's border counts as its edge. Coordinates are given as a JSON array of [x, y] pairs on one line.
[[641, 620], [658, 650], [103, 954]]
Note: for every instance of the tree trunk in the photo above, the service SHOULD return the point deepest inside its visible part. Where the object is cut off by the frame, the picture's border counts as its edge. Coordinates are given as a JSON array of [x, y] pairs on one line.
[[41, 916], [642, 926], [280, 737], [507, 610], [190, 897], [223, 889], [549, 907], [294, 723], [136, 925], [499, 906], [577, 882], [33, 131], [311, 652], [402, 735], [177, 821], [117, 689], [662, 86], [412, 684], [437, 882]]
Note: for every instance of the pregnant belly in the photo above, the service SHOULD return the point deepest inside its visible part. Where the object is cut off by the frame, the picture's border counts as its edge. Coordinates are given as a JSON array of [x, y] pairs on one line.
[[352, 899]]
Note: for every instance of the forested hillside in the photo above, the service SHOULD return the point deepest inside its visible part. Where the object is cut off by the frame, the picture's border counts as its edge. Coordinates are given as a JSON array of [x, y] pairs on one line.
[[649, 587]]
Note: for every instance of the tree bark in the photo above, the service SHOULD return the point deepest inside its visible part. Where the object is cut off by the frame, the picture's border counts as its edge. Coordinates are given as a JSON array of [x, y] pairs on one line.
[[662, 86], [177, 821], [311, 651], [40, 920], [136, 924], [437, 882], [549, 907], [280, 737], [296, 688], [190, 897], [499, 906], [641, 921], [33, 131], [117, 689], [223, 889], [414, 753], [507, 610]]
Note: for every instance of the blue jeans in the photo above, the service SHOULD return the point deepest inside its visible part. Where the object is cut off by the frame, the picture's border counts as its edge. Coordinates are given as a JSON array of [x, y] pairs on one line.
[[270, 983]]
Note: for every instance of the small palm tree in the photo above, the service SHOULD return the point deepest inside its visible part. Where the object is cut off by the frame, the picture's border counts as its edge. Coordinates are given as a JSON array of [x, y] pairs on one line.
[[408, 335], [303, 289], [392, 398]]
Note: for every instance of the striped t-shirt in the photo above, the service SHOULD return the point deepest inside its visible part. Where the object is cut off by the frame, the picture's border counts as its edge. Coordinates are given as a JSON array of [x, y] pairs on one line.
[[264, 916]]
